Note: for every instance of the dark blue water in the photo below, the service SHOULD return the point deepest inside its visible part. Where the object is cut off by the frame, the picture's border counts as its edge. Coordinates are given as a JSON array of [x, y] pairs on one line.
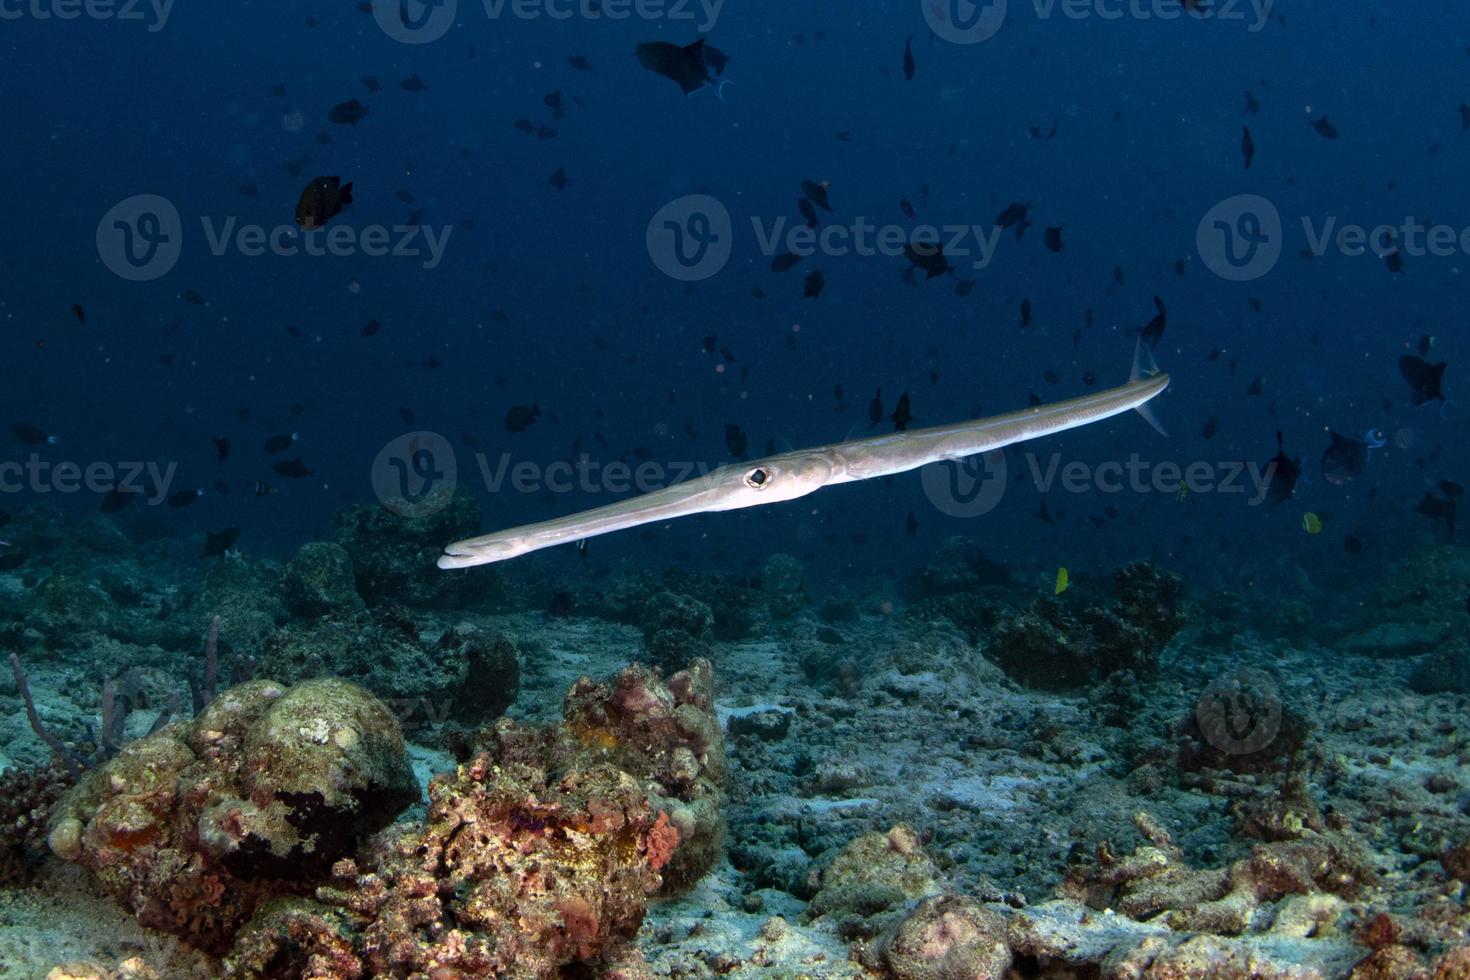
[[551, 297]]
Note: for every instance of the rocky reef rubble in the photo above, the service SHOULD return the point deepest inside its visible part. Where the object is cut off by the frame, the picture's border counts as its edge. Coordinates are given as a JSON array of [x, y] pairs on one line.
[[539, 851], [191, 828]]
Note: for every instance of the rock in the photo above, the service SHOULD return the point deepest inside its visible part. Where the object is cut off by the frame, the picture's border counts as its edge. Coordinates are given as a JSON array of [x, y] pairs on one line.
[[867, 885], [768, 725], [192, 827], [1408, 639], [947, 937], [783, 584], [319, 581]]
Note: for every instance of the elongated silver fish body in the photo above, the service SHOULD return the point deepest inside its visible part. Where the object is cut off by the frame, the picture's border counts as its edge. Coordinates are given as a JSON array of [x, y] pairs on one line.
[[788, 476]]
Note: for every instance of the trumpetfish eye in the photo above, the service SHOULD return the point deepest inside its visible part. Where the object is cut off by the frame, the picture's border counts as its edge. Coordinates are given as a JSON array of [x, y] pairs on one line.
[[757, 478]]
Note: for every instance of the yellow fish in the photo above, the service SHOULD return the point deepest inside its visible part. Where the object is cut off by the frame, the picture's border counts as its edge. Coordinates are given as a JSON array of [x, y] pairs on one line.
[[1063, 580], [1311, 523]]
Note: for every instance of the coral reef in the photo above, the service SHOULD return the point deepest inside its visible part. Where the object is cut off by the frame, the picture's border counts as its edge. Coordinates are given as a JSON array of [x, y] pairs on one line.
[[538, 852], [675, 628], [27, 798], [192, 827], [1059, 644], [469, 675], [393, 557]]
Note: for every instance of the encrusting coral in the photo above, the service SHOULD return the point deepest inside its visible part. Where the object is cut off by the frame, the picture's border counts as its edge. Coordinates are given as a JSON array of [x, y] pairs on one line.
[[540, 851], [193, 826]]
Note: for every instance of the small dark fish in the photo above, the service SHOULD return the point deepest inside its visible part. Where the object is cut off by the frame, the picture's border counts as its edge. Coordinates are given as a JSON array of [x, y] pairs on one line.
[[1044, 133], [295, 168], [736, 440], [902, 414], [348, 113], [292, 469], [908, 59], [1394, 261], [370, 83], [1425, 380], [292, 330], [1025, 312], [79, 313], [404, 195], [216, 543], [693, 66], [1053, 238], [964, 287], [184, 498], [322, 200], [817, 193], [552, 100], [29, 435], [221, 447], [1153, 331], [519, 418], [248, 191], [807, 211], [1044, 514], [1252, 105], [370, 328], [1324, 128], [579, 62], [1247, 146], [911, 524], [558, 179], [279, 90], [194, 298], [875, 409], [280, 443], [812, 287], [525, 126], [1425, 344], [1443, 508], [1283, 472], [784, 261], [545, 133], [1212, 425], [927, 257], [1014, 214], [413, 83], [1353, 544], [1343, 459], [406, 415], [1255, 304], [1257, 385], [1089, 378], [116, 500]]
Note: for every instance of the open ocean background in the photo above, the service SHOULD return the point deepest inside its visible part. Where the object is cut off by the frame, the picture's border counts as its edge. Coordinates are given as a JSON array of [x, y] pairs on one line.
[[551, 297]]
